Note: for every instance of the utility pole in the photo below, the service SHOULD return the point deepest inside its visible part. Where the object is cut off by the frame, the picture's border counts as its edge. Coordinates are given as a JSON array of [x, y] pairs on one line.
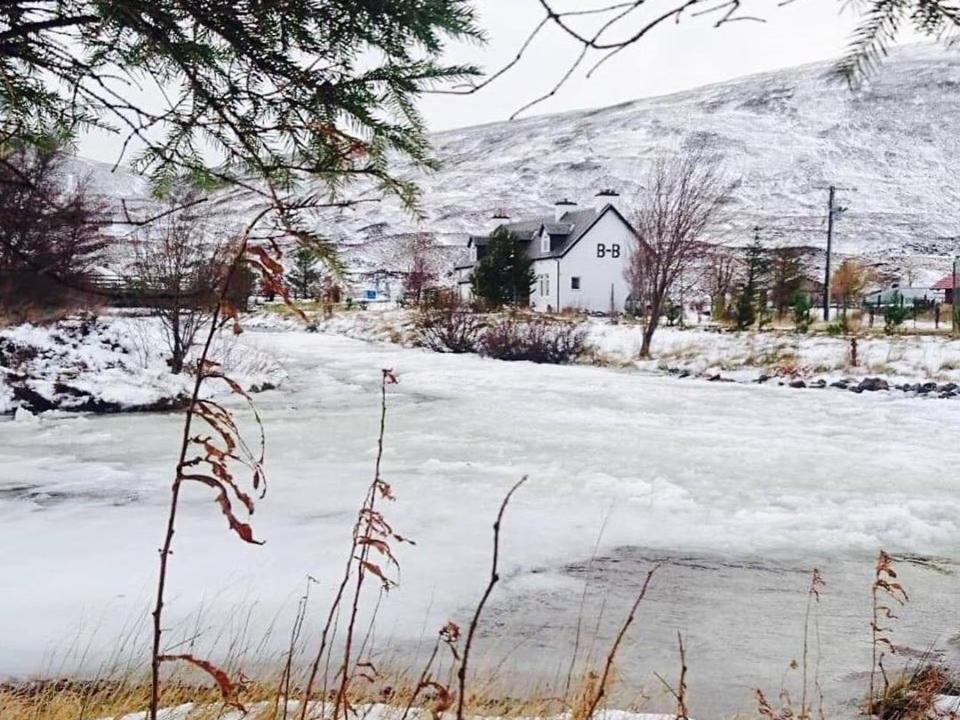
[[826, 279], [833, 211]]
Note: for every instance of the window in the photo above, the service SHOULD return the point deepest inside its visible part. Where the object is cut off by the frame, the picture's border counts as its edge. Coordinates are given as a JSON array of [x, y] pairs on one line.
[[574, 283], [544, 285]]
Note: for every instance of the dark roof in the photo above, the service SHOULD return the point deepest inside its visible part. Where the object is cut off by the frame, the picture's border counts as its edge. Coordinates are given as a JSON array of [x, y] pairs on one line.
[[564, 233], [576, 222]]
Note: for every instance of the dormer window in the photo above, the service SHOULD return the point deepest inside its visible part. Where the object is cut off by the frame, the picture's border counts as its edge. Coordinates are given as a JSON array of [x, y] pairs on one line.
[[545, 242]]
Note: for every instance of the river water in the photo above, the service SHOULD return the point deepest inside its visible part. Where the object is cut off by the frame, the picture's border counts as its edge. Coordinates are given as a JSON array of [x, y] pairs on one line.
[[739, 490]]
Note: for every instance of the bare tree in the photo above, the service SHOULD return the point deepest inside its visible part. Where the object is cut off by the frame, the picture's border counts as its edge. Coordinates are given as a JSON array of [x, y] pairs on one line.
[[422, 268], [682, 202], [720, 274], [178, 268]]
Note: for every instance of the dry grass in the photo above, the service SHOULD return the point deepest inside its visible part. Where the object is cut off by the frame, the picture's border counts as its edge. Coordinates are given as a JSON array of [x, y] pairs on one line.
[[111, 700], [913, 695]]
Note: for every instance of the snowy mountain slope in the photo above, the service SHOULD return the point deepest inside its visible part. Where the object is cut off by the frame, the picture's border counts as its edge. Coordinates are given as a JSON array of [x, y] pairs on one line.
[[786, 134], [103, 181]]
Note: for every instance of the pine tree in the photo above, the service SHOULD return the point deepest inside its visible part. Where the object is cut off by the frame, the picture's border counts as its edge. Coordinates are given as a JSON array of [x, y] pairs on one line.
[[504, 275], [752, 302], [262, 88], [50, 237], [305, 273], [802, 318], [252, 94], [786, 278]]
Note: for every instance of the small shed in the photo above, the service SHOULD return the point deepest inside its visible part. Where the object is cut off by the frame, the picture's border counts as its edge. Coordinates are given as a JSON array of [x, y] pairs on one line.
[[945, 285]]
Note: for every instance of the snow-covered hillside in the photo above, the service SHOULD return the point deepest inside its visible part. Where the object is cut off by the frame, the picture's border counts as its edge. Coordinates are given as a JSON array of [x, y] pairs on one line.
[[786, 134]]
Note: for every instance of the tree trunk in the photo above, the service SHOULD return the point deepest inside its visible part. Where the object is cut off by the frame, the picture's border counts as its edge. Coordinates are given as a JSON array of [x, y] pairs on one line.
[[647, 339], [649, 329], [176, 361]]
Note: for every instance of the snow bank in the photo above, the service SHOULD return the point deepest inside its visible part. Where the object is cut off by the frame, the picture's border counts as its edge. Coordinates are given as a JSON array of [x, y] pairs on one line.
[[107, 364], [707, 351], [396, 326], [900, 359]]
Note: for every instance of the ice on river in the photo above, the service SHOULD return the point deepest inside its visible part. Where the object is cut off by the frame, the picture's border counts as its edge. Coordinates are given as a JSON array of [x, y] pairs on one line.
[[743, 488]]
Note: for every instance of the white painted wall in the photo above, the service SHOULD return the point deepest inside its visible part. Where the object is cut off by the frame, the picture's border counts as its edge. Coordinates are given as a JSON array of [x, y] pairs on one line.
[[597, 274], [463, 286], [543, 294]]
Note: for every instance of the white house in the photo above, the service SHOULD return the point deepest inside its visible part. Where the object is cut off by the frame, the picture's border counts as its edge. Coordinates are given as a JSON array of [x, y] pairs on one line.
[[579, 256]]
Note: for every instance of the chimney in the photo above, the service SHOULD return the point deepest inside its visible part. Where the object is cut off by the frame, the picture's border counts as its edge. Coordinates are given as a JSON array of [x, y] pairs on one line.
[[608, 196], [561, 207]]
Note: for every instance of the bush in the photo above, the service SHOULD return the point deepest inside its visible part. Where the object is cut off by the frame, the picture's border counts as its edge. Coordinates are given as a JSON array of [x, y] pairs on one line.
[[893, 316], [801, 313], [537, 340], [450, 328], [840, 326]]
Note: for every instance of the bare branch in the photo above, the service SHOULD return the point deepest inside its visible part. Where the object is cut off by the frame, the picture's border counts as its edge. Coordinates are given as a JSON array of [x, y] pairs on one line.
[[611, 656], [494, 579]]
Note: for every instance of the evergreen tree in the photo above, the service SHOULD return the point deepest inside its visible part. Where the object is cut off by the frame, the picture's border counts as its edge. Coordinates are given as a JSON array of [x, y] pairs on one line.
[[752, 301], [252, 94], [504, 274], [305, 273], [801, 313], [270, 88], [786, 278], [50, 237]]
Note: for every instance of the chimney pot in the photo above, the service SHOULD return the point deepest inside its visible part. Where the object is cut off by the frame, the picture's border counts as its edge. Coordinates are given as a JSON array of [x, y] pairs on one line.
[[608, 196], [561, 207]]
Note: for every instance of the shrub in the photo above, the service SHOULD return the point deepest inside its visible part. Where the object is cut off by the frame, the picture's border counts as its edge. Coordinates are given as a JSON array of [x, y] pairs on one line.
[[801, 313], [537, 340], [893, 316], [450, 328], [838, 327]]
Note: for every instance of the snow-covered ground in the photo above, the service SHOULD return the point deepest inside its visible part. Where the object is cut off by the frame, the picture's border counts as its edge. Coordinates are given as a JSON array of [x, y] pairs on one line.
[[782, 355], [900, 358], [742, 488], [108, 364]]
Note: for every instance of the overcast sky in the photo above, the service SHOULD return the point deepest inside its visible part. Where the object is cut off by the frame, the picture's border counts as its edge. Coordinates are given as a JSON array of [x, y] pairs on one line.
[[671, 58]]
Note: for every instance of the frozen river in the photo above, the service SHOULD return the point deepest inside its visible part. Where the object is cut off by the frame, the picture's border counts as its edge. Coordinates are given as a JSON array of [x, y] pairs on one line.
[[742, 489]]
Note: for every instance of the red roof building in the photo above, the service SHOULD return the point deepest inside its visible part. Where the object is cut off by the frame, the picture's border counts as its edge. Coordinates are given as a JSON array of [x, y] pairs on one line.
[[946, 284]]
